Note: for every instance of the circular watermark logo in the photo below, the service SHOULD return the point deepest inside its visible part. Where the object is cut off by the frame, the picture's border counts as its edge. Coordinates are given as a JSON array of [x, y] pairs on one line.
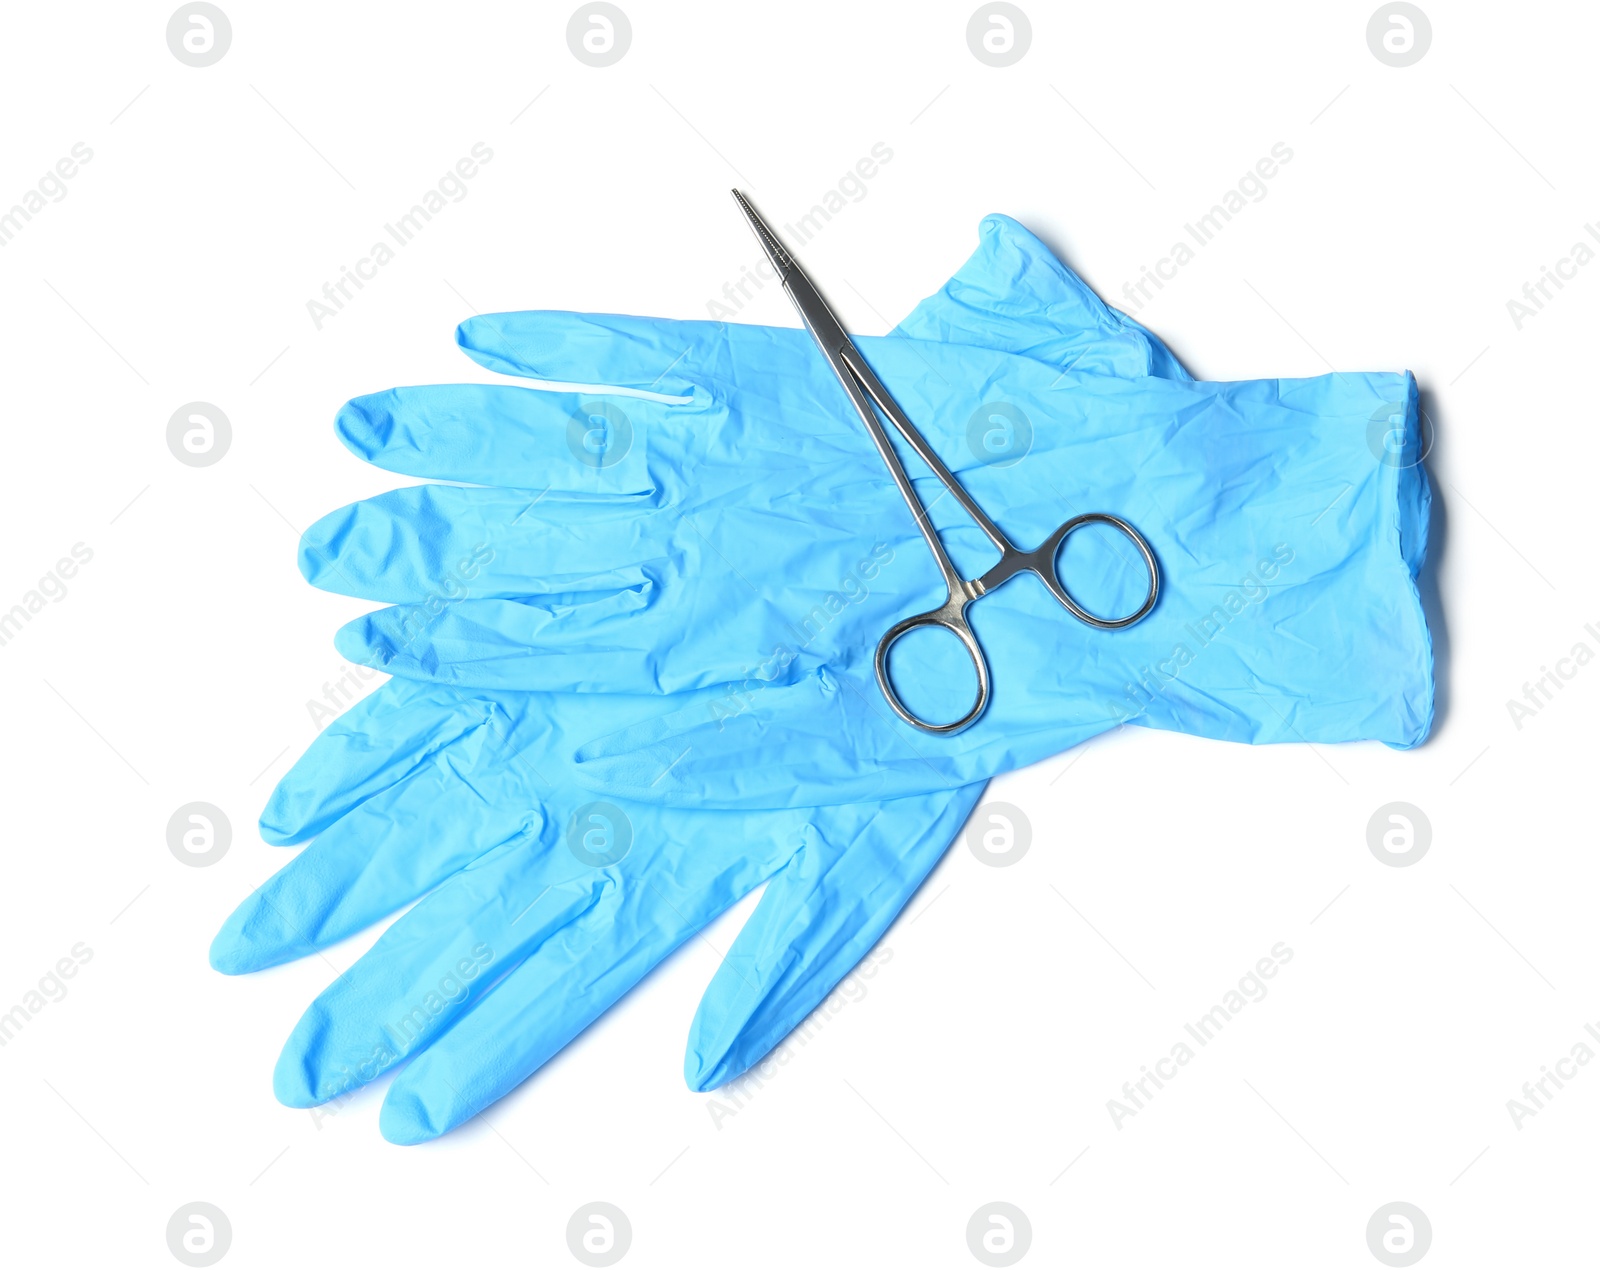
[[1399, 1234], [599, 834], [199, 34], [599, 1234], [1391, 442], [999, 34], [198, 834], [199, 1234], [1399, 34], [999, 834], [1399, 834], [999, 434], [599, 434], [198, 434], [999, 1234], [599, 34]]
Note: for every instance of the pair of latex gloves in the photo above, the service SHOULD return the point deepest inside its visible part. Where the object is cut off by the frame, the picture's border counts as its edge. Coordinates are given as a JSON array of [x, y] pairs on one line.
[[632, 652]]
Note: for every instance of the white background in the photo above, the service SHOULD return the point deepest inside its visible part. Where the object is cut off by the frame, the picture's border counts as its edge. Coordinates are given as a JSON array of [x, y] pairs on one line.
[[978, 1062]]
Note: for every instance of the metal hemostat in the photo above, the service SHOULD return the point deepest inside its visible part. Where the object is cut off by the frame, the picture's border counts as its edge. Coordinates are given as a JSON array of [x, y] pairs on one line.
[[866, 391]]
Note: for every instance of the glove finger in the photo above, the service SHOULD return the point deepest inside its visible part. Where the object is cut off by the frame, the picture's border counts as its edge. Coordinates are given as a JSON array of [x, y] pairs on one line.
[[434, 543], [815, 735], [659, 355], [431, 965], [1014, 294], [577, 975], [532, 1015], [653, 630], [626, 641], [385, 853], [497, 434], [819, 917], [373, 745], [828, 739]]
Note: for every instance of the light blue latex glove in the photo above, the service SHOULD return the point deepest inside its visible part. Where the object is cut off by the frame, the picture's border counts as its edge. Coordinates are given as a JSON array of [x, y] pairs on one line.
[[529, 930], [467, 799], [749, 537]]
